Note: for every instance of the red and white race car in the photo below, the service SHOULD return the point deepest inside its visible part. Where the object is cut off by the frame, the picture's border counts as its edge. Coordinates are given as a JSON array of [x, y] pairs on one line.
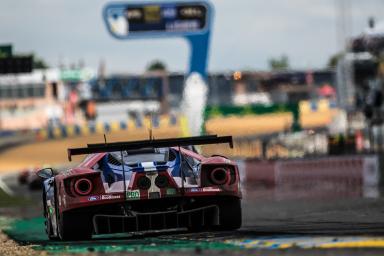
[[142, 185]]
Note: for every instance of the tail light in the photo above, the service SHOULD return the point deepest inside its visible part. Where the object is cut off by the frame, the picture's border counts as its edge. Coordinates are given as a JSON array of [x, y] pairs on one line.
[[219, 176], [143, 182], [161, 181], [83, 186]]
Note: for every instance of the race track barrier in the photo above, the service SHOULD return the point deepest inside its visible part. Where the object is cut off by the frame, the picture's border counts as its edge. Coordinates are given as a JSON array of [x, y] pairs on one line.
[[160, 124], [254, 120], [9, 139], [260, 172], [347, 175]]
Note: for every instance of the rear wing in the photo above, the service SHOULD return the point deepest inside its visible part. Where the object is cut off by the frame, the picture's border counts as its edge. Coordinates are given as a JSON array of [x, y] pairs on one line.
[[159, 143]]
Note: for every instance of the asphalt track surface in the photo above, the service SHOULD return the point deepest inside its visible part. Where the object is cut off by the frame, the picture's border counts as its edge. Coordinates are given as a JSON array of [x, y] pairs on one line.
[[305, 224]]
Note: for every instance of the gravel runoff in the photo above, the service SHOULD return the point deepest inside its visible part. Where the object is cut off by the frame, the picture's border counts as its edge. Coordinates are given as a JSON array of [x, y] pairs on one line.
[[8, 247]]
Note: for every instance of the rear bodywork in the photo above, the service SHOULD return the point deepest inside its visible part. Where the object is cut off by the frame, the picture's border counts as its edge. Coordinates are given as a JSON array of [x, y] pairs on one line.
[[122, 191]]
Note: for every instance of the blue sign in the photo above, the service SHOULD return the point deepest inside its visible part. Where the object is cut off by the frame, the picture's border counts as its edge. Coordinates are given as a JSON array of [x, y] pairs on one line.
[[157, 19], [191, 20]]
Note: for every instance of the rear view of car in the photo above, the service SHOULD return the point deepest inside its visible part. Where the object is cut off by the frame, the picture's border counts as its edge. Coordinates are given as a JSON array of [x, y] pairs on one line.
[[143, 185]]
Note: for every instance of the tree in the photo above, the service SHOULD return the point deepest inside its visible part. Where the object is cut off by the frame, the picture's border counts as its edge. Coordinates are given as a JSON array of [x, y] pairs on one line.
[[280, 63], [157, 65], [332, 62], [39, 63]]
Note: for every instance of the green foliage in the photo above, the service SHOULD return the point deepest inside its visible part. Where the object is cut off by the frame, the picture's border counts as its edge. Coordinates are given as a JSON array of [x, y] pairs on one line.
[[5, 50], [214, 112], [227, 110], [224, 110], [157, 65], [247, 110], [39, 63], [8, 200], [332, 62], [280, 63]]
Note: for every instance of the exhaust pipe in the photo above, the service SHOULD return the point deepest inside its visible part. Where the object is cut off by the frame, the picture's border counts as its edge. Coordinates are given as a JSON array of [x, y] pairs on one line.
[[219, 176], [83, 186]]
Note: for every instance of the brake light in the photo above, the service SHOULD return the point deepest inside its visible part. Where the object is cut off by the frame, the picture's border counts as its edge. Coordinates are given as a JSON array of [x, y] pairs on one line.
[[83, 186]]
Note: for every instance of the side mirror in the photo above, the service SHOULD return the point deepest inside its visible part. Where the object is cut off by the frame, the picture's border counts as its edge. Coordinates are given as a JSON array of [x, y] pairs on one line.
[[45, 173]]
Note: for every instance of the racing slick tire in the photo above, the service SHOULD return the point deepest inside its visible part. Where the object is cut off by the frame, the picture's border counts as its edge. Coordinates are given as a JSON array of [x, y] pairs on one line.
[[49, 230], [229, 214], [48, 222], [73, 226]]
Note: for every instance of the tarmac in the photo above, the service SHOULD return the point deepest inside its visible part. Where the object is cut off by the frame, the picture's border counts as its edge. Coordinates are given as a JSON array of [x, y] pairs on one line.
[[346, 224]]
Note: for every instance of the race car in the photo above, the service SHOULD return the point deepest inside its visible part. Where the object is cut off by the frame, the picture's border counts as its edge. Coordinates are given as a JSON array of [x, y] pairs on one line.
[[143, 185]]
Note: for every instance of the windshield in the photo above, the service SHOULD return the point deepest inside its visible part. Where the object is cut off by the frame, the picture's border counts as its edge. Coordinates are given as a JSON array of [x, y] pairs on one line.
[[177, 164], [139, 157]]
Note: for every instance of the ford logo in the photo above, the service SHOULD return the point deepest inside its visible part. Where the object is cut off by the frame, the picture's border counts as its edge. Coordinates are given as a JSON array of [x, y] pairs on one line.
[[93, 198]]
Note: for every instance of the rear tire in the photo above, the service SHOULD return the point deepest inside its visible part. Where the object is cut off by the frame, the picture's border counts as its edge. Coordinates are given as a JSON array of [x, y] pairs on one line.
[[47, 221], [229, 214], [74, 227], [49, 230]]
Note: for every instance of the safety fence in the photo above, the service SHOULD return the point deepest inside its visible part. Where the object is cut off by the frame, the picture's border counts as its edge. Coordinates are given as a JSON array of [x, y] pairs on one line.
[[340, 175], [167, 124]]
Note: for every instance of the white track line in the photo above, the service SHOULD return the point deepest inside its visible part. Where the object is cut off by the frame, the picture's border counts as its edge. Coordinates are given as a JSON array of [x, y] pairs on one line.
[[4, 187]]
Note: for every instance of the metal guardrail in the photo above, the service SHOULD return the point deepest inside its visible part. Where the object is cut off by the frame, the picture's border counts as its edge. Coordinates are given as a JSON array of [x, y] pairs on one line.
[[10, 138]]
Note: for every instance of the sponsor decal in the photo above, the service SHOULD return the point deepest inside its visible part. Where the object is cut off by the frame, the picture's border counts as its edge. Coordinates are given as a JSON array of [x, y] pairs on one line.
[[171, 191], [207, 189], [133, 194], [169, 13], [50, 210], [195, 190], [211, 189], [109, 197], [93, 198]]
